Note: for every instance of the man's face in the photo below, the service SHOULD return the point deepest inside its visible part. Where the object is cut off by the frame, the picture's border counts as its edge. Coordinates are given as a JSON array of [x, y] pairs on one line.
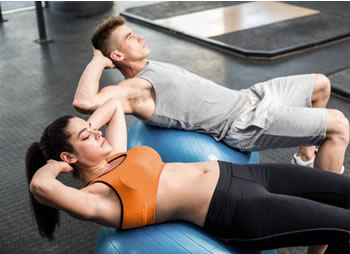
[[131, 45]]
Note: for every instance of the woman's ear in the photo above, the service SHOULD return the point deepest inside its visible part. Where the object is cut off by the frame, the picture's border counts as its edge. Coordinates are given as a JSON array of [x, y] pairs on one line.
[[116, 56], [67, 157]]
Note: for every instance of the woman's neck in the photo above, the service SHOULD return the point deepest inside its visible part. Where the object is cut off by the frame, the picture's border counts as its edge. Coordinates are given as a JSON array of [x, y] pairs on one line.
[[89, 173]]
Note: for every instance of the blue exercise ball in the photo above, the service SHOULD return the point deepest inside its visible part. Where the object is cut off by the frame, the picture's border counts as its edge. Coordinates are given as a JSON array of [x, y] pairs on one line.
[[185, 146], [174, 237]]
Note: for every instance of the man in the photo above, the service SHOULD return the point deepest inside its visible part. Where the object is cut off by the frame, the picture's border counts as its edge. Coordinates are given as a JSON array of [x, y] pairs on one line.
[[282, 112]]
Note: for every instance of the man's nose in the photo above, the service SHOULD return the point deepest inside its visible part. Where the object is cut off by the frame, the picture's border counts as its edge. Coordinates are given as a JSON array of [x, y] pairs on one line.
[[139, 37]]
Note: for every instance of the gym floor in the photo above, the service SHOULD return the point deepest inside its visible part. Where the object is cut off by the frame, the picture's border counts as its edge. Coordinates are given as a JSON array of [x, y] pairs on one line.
[[38, 82]]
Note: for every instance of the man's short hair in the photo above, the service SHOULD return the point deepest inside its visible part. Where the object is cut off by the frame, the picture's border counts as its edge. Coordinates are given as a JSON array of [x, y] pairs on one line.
[[103, 31]]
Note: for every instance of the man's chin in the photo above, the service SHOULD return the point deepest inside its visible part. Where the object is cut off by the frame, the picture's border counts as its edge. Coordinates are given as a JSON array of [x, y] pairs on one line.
[[148, 52]]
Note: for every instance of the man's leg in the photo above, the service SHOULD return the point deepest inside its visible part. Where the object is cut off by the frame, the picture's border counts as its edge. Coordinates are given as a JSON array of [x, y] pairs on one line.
[[320, 97], [331, 153], [332, 150], [317, 249]]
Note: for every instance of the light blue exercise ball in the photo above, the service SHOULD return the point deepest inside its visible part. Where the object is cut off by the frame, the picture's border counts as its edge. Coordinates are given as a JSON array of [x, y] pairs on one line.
[[185, 146], [174, 237]]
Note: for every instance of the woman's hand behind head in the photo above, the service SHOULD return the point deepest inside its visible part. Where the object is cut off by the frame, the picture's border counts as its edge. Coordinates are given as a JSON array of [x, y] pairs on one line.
[[63, 167]]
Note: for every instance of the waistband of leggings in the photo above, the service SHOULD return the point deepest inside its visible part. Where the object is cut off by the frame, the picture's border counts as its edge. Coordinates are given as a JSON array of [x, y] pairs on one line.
[[211, 223]]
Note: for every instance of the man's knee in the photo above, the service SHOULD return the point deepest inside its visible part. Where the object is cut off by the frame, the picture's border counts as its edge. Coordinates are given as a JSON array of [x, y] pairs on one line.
[[338, 126], [322, 86]]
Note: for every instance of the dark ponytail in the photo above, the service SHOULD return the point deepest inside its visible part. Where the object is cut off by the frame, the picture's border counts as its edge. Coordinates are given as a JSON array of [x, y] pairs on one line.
[[46, 217], [54, 140]]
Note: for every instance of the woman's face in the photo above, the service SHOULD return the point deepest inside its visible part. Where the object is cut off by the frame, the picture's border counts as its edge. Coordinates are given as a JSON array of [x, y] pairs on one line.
[[88, 143]]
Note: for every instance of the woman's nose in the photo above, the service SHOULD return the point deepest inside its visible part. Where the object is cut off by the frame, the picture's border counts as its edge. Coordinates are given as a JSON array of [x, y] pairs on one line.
[[98, 134]]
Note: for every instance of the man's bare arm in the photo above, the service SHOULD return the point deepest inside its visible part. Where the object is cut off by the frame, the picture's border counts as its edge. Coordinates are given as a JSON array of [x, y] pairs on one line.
[[87, 98]]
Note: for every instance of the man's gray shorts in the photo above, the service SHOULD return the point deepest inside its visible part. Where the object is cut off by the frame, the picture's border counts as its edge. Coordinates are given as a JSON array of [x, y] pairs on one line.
[[279, 114]]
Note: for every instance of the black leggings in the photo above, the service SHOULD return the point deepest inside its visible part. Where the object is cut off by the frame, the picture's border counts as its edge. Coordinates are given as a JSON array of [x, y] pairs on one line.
[[268, 206]]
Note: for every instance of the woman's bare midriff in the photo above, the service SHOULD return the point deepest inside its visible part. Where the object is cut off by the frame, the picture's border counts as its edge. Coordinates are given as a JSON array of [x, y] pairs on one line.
[[185, 191]]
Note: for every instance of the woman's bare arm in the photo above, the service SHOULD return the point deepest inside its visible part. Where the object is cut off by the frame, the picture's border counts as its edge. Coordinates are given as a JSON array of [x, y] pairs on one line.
[[49, 191], [112, 114]]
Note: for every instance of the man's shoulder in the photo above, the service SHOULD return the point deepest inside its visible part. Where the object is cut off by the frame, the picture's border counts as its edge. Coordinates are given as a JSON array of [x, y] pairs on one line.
[[135, 82]]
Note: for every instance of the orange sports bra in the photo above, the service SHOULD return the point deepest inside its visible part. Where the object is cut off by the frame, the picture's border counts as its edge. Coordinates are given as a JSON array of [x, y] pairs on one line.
[[135, 181]]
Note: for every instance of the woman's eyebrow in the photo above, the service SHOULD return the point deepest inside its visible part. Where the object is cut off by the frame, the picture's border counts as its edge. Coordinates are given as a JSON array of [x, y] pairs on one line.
[[80, 132]]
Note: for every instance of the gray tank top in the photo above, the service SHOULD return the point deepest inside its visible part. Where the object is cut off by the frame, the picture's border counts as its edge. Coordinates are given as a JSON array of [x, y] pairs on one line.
[[187, 101]]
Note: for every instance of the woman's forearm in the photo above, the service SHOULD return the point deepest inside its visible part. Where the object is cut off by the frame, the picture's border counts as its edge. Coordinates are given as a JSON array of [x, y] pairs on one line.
[[105, 113], [41, 185], [44, 183]]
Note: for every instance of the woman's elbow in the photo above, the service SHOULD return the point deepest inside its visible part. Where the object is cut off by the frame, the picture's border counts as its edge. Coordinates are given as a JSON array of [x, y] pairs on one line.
[[40, 189], [37, 188]]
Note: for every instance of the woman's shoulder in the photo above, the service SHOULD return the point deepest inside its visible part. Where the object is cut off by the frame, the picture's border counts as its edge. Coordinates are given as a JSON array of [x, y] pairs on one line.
[[106, 203]]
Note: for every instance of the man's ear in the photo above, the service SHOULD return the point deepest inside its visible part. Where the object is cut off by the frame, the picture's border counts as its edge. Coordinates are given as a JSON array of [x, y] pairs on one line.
[[116, 56], [67, 157]]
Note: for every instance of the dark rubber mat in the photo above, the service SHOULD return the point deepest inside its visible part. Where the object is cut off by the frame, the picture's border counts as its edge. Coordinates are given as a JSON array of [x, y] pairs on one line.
[[288, 36], [341, 82], [265, 41], [172, 9]]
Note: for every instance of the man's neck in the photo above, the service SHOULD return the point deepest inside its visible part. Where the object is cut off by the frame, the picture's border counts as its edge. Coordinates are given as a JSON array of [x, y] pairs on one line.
[[129, 70]]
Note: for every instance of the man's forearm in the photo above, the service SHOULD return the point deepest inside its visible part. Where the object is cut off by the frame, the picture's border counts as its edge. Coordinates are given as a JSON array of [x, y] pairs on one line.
[[88, 86]]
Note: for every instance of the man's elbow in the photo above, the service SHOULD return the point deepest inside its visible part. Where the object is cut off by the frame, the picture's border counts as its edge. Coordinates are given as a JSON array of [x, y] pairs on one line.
[[83, 107]]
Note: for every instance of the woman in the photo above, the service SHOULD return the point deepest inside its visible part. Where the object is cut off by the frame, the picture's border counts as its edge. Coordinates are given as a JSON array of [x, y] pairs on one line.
[[260, 206]]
